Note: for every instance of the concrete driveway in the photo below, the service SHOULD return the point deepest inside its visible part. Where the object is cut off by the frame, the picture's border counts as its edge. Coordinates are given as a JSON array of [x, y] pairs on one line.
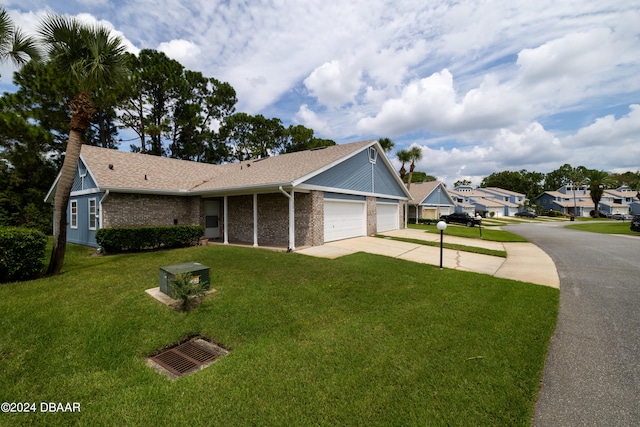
[[525, 262]]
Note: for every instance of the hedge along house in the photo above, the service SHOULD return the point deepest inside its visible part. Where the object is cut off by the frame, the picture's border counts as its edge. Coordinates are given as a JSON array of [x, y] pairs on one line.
[[305, 198]]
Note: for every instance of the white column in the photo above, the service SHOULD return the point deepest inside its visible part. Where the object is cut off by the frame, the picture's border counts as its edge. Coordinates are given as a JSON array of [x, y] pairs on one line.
[[225, 214], [255, 220], [292, 222]]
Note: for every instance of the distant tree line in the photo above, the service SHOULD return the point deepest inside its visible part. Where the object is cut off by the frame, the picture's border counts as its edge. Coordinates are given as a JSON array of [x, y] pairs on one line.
[[160, 108]]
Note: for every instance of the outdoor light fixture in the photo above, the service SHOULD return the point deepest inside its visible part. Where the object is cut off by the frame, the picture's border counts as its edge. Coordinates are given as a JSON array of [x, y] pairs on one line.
[[441, 226]]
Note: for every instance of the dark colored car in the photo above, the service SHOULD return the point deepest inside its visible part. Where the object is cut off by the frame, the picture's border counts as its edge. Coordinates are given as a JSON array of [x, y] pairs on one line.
[[460, 218], [635, 223], [526, 214], [601, 214]]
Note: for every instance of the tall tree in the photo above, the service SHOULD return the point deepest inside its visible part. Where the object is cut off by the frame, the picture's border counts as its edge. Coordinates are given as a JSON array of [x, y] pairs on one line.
[[94, 59], [300, 138], [202, 104], [26, 172], [387, 144], [14, 45], [415, 154], [598, 181], [461, 182], [253, 137], [155, 82], [576, 177], [523, 181], [404, 157]]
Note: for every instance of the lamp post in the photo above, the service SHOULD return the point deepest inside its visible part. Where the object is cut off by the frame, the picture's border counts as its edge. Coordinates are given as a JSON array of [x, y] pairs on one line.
[[441, 226], [479, 218]]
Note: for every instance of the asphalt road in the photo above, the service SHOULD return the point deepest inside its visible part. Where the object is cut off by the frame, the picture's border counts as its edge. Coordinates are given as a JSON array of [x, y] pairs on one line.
[[592, 373]]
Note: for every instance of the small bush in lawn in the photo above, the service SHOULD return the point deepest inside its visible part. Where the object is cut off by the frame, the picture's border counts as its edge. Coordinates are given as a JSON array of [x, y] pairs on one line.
[[21, 253], [188, 290]]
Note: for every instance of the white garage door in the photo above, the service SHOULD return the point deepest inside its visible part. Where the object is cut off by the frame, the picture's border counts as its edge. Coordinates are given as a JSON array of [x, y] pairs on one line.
[[387, 217], [344, 219]]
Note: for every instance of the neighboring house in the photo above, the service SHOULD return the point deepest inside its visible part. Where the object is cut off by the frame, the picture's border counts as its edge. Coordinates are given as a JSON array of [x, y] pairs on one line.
[[430, 200], [518, 199], [495, 202], [305, 198], [618, 201], [565, 203]]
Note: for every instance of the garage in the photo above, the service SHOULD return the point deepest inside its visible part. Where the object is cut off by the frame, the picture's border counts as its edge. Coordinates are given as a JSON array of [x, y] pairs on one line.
[[344, 219], [386, 217]]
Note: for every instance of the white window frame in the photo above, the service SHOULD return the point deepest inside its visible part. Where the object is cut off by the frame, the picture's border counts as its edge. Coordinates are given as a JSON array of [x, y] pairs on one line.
[[93, 213], [73, 214]]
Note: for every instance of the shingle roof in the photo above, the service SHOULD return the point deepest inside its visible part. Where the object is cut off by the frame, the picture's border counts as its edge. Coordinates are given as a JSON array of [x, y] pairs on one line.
[[113, 169], [421, 190]]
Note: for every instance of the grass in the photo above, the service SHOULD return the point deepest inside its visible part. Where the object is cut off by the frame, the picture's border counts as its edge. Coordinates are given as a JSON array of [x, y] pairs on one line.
[[605, 227], [472, 232], [361, 340], [464, 248]]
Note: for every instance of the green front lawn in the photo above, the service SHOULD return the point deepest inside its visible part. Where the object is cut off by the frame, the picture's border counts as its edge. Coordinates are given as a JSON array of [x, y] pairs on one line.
[[605, 227], [471, 232], [361, 340]]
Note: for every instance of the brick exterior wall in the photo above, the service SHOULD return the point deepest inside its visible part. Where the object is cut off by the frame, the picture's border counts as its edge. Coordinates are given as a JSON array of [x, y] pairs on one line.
[[309, 218], [139, 210], [372, 218]]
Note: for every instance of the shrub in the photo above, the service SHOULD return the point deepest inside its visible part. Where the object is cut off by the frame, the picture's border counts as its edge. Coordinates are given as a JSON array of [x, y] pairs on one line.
[[188, 290], [21, 253], [114, 240]]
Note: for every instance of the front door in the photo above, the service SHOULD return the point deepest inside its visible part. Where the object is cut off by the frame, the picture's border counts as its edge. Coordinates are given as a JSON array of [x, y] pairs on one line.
[[211, 219]]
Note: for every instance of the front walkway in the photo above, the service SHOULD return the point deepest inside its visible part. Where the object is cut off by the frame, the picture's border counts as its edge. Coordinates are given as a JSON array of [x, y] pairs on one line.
[[525, 261]]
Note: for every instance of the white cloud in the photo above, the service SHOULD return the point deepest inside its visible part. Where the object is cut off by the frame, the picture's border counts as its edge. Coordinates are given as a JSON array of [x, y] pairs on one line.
[[311, 120], [334, 84], [183, 51], [432, 104]]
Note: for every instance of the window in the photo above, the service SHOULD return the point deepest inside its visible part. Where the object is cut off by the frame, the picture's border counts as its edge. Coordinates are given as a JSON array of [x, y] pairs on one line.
[[92, 214], [74, 214], [373, 155]]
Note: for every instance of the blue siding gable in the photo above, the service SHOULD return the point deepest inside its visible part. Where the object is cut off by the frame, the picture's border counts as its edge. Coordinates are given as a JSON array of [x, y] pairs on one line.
[[83, 180], [359, 174], [438, 198], [82, 234]]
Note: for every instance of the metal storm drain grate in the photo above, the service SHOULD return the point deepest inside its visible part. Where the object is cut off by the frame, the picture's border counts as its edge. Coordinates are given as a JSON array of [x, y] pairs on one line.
[[186, 358]]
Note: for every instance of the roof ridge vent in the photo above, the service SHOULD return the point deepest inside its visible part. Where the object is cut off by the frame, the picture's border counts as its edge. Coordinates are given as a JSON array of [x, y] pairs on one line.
[[318, 148]]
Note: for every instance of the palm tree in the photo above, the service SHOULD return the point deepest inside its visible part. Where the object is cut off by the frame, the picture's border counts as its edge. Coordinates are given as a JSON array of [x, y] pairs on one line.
[[14, 45], [404, 157], [94, 59], [598, 181], [576, 176], [415, 154], [386, 144]]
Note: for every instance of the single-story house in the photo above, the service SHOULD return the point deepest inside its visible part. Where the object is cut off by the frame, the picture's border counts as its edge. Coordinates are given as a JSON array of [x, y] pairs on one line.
[[430, 201], [305, 198]]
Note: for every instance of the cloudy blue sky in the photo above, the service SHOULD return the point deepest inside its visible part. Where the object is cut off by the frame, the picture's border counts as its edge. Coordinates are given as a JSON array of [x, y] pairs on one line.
[[480, 85]]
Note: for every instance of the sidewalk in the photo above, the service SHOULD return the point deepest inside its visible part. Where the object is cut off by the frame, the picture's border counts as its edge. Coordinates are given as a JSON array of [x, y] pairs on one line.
[[525, 261]]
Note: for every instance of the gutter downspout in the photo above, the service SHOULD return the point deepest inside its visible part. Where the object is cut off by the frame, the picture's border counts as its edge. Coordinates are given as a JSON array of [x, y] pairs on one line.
[[106, 195], [292, 225]]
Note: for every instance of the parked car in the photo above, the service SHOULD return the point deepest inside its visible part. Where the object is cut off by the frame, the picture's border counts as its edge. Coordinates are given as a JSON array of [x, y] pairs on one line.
[[621, 217], [526, 214], [635, 223], [461, 218]]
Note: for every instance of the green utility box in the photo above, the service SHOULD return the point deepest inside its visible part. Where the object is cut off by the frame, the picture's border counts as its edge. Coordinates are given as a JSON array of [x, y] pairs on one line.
[[199, 273]]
